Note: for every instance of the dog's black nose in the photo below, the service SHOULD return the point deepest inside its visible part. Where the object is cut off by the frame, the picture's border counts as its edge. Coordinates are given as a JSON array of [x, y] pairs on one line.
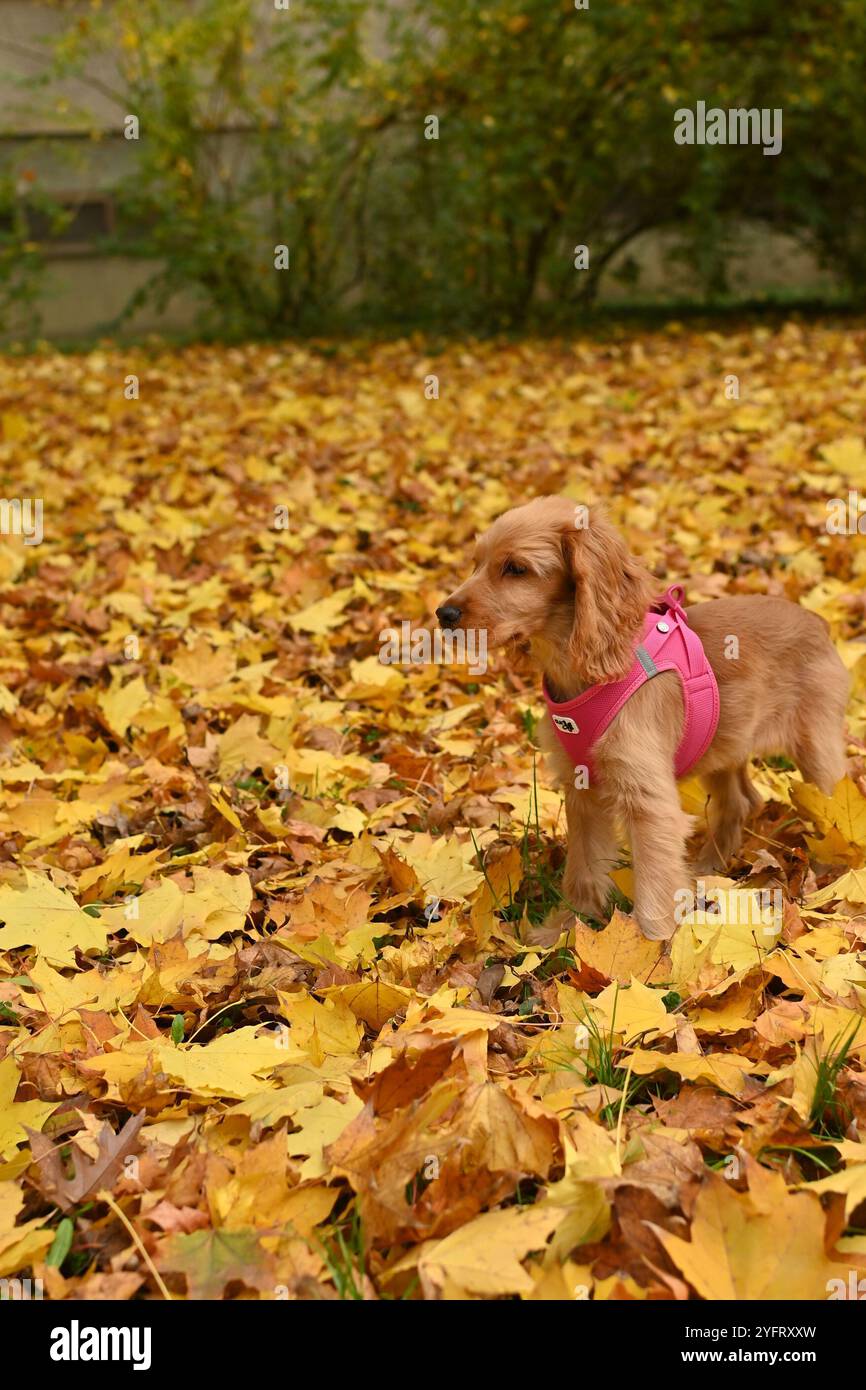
[[448, 615]]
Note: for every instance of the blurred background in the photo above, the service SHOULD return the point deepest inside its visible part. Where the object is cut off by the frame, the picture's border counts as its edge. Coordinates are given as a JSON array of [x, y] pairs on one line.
[[154, 153]]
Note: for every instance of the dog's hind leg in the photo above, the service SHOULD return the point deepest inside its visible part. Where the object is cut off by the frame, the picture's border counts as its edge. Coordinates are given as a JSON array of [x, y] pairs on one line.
[[732, 800], [821, 763], [819, 740], [819, 726]]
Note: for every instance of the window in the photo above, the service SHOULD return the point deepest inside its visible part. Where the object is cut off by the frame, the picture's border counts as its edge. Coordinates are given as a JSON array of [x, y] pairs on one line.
[[87, 220]]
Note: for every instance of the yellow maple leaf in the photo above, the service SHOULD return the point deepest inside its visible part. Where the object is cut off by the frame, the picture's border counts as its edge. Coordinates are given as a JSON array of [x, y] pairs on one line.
[[321, 1030], [848, 457], [22, 1245], [49, 920], [620, 952], [322, 616], [766, 1243], [374, 682], [726, 1070], [442, 866], [849, 1181], [241, 746], [633, 1010], [483, 1259], [373, 1001], [219, 903], [845, 809], [107, 990], [14, 1115], [851, 887], [121, 704], [321, 1126], [154, 915]]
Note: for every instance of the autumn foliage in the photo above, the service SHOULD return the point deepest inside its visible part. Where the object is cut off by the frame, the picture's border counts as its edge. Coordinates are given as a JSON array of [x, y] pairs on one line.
[[289, 1004]]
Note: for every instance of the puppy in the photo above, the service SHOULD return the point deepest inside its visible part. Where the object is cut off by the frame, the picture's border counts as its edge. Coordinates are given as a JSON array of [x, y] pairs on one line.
[[563, 580]]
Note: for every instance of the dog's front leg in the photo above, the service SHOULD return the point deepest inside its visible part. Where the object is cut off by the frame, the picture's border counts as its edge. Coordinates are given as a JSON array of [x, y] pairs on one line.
[[657, 829], [591, 852]]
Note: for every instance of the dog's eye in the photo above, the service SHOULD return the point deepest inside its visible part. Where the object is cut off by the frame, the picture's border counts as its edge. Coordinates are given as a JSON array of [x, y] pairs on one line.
[[511, 567]]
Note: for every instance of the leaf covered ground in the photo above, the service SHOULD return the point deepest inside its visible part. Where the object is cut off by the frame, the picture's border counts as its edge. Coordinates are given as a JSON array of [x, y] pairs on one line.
[[289, 1003]]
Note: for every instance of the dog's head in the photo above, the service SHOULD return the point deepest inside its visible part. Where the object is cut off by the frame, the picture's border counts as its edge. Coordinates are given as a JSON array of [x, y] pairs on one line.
[[558, 575]]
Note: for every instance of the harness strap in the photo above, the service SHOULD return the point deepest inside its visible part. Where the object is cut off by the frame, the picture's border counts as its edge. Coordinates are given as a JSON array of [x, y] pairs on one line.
[[669, 644]]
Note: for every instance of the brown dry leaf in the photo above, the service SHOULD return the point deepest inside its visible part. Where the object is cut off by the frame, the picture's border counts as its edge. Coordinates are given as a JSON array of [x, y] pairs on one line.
[[708, 1116], [89, 1174]]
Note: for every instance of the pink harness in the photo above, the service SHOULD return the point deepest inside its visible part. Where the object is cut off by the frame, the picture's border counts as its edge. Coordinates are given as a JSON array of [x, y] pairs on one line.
[[669, 644]]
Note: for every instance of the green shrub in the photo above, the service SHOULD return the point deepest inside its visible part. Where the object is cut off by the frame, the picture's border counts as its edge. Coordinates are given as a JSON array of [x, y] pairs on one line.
[[555, 130]]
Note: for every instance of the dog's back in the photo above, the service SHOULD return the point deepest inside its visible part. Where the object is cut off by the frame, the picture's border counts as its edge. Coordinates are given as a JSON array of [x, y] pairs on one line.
[[781, 682]]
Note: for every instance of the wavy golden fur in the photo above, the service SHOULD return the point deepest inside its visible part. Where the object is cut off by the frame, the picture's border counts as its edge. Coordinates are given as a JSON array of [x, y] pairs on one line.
[[577, 595]]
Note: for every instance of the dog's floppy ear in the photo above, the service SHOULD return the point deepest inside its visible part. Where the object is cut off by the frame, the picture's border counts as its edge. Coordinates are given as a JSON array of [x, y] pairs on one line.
[[612, 592]]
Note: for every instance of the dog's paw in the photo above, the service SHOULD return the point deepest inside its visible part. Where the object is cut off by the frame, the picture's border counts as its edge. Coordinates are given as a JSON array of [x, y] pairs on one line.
[[709, 859], [657, 928], [585, 899]]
